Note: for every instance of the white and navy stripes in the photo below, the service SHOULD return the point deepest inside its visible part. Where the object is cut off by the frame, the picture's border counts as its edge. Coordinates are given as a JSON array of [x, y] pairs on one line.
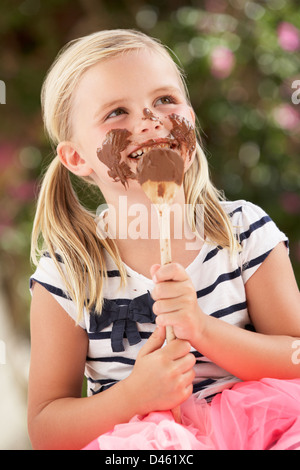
[[128, 320]]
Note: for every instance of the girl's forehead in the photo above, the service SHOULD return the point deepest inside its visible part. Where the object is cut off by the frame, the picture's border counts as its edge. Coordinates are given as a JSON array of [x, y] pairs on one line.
[[132, 75], [136, 61]]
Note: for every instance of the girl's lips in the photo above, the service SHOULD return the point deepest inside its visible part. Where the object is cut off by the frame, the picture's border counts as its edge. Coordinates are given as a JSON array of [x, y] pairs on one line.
[[150, 144]]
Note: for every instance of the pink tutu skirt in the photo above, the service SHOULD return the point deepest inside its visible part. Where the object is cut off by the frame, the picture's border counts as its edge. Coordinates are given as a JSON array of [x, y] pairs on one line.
[[256, 415]]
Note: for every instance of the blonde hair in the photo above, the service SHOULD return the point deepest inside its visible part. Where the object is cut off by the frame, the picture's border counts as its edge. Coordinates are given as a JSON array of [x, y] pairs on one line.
[[64, 225]]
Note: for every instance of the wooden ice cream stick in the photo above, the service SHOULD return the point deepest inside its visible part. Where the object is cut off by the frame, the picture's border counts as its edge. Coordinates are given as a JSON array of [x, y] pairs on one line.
[[160, 175], [163, 211]]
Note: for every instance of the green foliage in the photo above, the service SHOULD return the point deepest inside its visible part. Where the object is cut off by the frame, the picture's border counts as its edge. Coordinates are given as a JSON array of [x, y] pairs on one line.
[[242, 60]]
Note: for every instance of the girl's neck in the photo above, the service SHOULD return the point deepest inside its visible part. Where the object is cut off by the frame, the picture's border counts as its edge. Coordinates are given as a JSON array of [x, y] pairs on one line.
[[132, 218], [135, 229]]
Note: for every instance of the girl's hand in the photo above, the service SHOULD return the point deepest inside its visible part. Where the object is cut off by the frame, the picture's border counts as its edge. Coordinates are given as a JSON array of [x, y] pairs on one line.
[[162, 377], [176, 302]]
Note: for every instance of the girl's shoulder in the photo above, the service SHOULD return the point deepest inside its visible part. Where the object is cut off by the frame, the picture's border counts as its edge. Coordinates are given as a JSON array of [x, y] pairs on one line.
[[247, 217], [242, 209], [48, 273], [256, 231]]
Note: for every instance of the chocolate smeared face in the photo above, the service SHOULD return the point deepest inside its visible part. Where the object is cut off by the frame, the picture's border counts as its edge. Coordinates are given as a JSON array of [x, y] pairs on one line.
[[116, 141], [149, 115], [182, 139], [184, 133]]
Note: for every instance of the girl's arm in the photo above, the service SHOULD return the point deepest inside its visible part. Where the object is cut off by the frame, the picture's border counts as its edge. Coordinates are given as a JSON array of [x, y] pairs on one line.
[[58, 418], [274, 308]]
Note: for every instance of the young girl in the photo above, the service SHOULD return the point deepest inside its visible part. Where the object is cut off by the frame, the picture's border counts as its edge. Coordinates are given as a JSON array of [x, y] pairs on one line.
[[101, 304]]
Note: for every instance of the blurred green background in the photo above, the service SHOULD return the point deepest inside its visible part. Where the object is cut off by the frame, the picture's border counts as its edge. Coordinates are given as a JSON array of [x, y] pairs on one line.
[[242, 60]]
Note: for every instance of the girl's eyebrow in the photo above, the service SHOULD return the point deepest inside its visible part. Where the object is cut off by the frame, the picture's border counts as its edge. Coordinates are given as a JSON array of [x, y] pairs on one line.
[[167, 89], [106, 106]]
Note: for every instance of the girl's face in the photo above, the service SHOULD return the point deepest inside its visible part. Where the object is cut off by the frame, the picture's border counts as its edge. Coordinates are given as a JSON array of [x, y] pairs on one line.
[[136, 92]]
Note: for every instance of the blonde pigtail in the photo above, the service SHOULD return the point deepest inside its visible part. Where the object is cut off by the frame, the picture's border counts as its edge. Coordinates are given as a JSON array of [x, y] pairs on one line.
[[70, 235], [199, 190]]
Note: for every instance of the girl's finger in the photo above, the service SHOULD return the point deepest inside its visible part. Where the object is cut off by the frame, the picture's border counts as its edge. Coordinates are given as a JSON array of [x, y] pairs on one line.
[[171, 271], [177, 349], [153, 269], [185, 364], [167, 319], [169, 305], [154, 342], [170, 289]]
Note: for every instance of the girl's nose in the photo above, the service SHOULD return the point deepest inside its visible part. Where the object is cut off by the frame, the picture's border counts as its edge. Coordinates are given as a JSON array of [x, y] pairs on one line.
[[149, 121]]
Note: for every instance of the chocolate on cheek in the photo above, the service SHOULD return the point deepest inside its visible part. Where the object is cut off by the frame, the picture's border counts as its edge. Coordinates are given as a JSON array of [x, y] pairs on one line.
[[116, 141], [184, 133]]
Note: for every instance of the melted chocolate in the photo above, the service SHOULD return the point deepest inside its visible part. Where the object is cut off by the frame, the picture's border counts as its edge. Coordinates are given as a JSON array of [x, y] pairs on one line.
[[184, 133], [117, 140], [149, 115], [110, 154], [160, 165]]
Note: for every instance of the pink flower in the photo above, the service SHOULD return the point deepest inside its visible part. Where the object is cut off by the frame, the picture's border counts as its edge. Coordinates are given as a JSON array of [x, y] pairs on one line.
[[222, 62], [288, 36], [286, 116]]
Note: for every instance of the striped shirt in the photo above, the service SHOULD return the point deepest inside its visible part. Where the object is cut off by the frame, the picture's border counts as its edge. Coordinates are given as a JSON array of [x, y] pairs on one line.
[[127, 320]]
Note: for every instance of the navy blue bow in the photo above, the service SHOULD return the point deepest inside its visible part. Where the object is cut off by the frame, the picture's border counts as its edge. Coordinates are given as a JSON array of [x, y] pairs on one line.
[[124, 319]]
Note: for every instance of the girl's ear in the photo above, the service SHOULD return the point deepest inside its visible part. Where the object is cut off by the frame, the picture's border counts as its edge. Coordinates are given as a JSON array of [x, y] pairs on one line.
[[71, 159], [193, 116]]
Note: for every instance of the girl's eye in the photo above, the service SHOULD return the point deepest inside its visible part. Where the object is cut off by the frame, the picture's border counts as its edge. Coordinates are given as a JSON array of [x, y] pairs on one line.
[[115, 113], [165, 100]]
